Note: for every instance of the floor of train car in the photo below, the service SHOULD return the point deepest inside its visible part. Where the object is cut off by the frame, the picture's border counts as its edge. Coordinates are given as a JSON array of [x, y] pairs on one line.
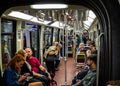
[[71, 71]]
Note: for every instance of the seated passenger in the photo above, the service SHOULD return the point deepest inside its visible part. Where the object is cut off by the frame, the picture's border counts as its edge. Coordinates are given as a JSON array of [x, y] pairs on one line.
[[79, 76], [12, 75], [93, 48], [82, 73], [32, 76], [81, 48], [35, 64], [88, 52], [88, 42], [90, 78]]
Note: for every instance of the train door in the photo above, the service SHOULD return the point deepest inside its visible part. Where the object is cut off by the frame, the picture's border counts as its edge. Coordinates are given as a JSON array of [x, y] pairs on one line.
[[31, 38], [56, 35], [47, 37], [7, 40], [34, 41]]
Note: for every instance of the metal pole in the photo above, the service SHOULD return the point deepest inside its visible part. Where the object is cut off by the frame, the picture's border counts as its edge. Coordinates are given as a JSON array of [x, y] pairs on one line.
[[65, 50], [65, 60]]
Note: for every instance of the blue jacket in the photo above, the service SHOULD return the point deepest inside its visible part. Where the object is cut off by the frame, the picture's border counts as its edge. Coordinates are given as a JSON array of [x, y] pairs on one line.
[[10, 77]]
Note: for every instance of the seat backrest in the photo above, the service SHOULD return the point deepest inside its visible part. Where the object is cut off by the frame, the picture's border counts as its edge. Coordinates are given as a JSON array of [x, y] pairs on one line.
[[82, 51]]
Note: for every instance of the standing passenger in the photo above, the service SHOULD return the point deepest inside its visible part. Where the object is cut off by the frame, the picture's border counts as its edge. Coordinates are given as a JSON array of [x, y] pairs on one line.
[[57, 60], [73, 46], [78, 40], [51, 57]]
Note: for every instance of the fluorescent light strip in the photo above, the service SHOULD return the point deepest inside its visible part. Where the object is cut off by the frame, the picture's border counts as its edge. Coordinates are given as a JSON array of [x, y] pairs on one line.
[[24, 16], [20, 15], [49, 6], [34, 19]]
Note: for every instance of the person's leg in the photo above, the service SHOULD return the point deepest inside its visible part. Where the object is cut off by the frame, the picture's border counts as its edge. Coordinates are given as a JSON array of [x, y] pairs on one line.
[[53, 67], [48, 66], [56, 64], [35, 84]]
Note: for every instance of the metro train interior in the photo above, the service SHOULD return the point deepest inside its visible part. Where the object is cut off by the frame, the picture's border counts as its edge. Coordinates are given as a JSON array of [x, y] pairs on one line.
[[24, 26]]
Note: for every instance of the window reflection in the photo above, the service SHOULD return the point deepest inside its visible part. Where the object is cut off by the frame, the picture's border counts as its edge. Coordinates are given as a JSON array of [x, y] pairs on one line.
[[6, 39]]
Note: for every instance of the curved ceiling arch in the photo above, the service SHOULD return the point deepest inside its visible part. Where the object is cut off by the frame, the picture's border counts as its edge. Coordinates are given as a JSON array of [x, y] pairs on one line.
[[96, 6]]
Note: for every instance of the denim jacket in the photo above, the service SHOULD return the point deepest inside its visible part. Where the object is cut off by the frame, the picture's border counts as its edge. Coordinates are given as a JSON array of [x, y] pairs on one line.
[[11, 77]]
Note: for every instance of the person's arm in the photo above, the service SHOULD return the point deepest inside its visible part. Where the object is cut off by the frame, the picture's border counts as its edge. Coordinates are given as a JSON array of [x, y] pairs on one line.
[[44, 69], [36, 74], [46, 52], [52, 53], [11, 78], [21, 78], [91, 82], [56, 52]]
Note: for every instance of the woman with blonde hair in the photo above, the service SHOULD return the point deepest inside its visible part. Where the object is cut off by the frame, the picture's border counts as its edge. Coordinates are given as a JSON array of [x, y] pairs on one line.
[[26, 69]]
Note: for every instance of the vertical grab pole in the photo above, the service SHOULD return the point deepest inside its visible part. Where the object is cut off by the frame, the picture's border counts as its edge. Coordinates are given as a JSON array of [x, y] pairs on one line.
[[65, 71], [64, 53], [65, 50], [98, 57], [65, 58]]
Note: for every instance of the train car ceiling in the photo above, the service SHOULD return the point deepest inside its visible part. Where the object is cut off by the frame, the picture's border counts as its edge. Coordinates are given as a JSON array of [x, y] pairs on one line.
[[58, 18]]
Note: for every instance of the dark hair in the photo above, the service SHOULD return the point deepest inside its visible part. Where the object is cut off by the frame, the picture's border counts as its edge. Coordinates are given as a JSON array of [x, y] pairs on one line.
[[93, 57], [77, 35]]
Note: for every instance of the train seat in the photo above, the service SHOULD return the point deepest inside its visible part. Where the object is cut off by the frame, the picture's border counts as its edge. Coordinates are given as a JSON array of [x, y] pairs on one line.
[[80, 58]]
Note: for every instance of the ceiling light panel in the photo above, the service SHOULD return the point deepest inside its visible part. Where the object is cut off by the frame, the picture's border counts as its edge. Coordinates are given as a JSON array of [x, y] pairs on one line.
[[49, 6], [20, 15]]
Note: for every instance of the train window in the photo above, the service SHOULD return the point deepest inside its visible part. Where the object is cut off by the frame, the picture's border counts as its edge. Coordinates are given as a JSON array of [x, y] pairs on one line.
[[7, 26], [6, 39]]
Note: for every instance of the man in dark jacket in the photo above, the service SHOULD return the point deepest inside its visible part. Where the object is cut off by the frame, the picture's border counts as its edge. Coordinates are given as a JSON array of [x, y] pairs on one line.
[[90, 78]]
